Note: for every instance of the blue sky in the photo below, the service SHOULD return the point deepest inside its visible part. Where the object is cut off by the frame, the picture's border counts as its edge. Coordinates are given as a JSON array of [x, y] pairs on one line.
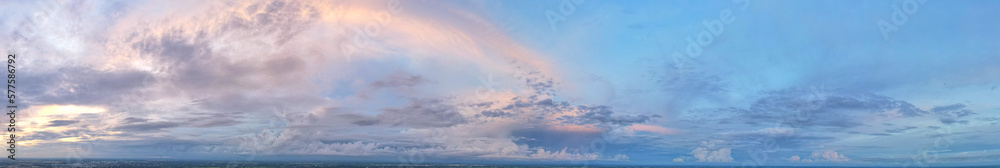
[[584, 82]]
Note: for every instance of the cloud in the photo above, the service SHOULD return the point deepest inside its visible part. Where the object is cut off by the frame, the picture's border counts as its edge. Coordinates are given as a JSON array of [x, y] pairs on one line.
[[711, 151], [620, 157], [43, 135], [708, 155], [562, 155], [399, 79], [57, 123], [422, 113], [955, 110], [821, 156], [603, 115], [811, 107], [496, 113], [795, 158], [766, 132], [135, 120], [343, 149], [900, 130], [218, 123], [654, 129], [80, 85], [146, 127], [802, 118], [952, 121], [832, 156]]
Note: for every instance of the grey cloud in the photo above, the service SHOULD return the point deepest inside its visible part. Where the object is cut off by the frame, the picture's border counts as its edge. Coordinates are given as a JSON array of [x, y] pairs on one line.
[[57, 123], [954, 110], [496, 113], [399, 79], [419, 113], [135, 120], [324, 115], [167, 145], [82, 134], [540, 86], [948, 108], [808, 111], [147, 126], [43, 135], [604, 115], [79, 85], [964, 113], [423, 113], [950, 121], [900, 130], [586, 114], [219, 123], [358, 119], [365, 122], [554, 139], [993, 120], [546, 102], [518, 104], [810, 107]]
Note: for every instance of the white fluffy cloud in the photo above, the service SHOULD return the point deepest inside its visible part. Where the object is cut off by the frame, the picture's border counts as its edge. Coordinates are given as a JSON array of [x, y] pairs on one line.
[[821, 156], [711, 151], [708, 155], [795, 158], [620, 157], [830, 156], [563, 155]]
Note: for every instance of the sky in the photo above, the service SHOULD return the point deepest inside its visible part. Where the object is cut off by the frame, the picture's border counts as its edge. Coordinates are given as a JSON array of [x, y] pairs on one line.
[[741, 82]]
